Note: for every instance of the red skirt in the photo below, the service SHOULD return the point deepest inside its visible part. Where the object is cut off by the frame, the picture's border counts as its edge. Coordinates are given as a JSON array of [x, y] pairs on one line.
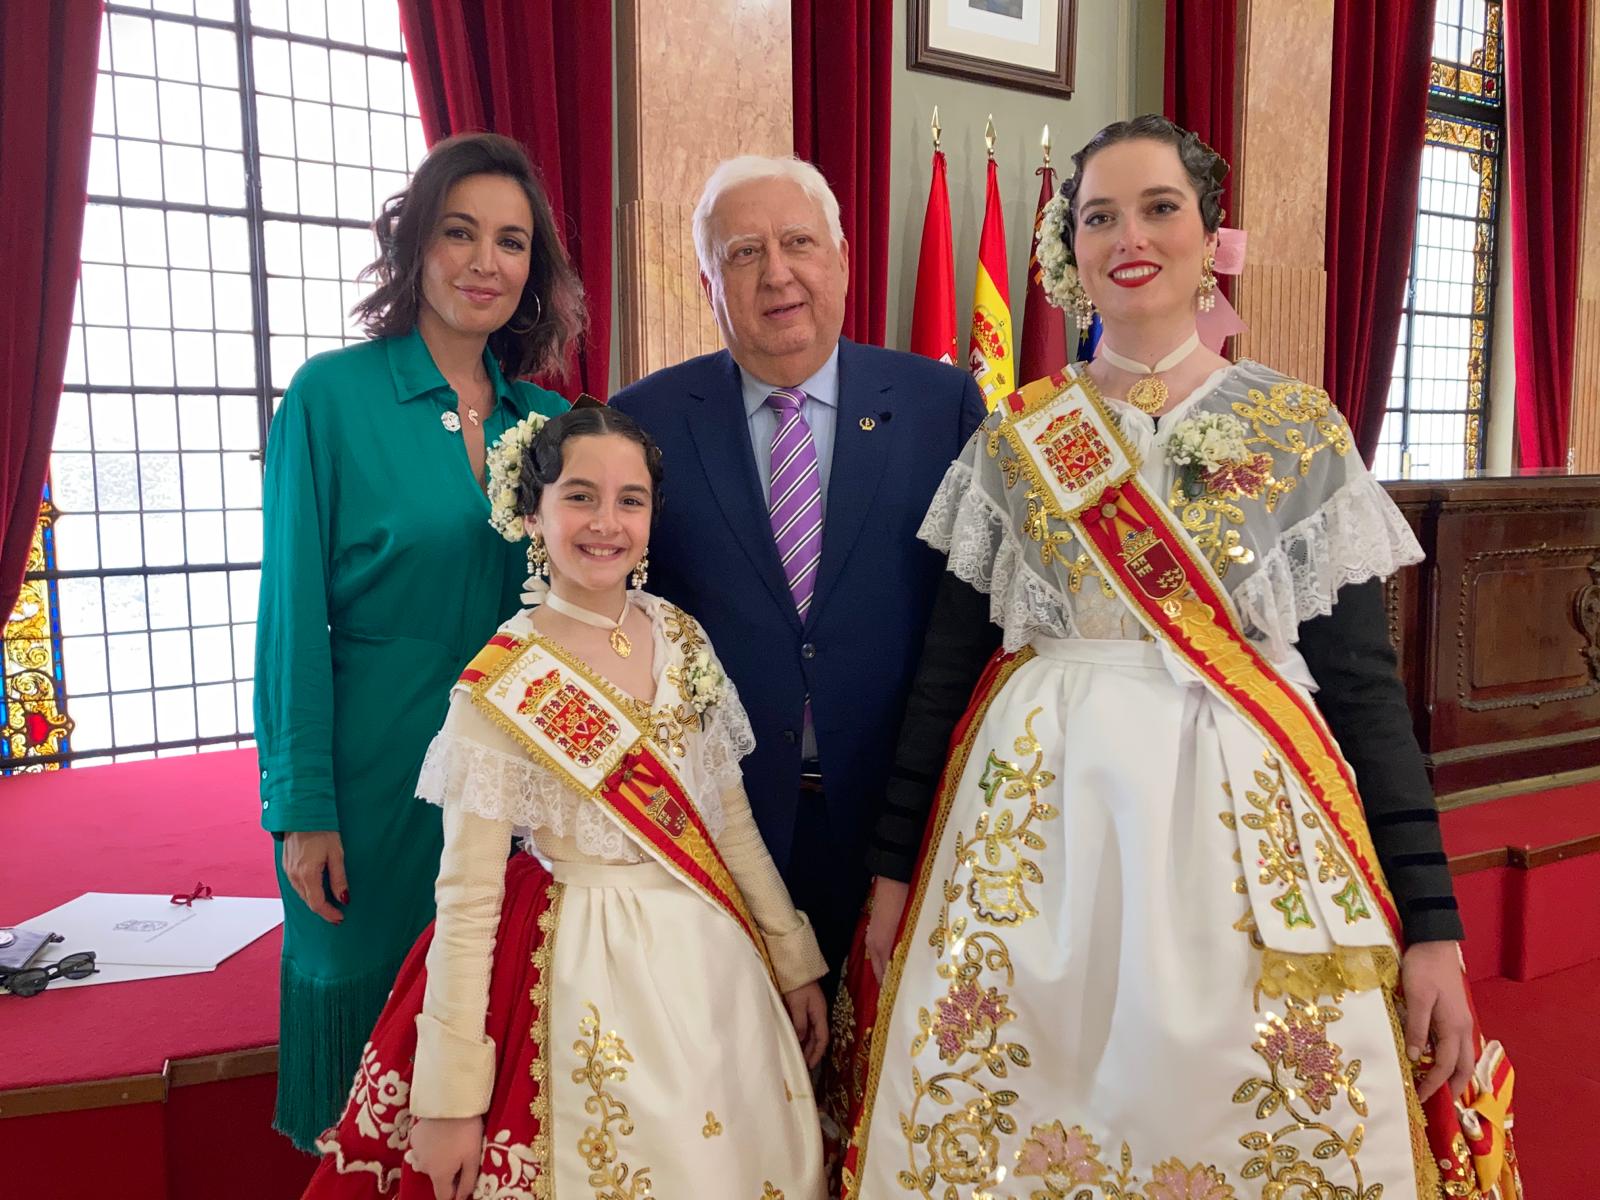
[[364, 1154]]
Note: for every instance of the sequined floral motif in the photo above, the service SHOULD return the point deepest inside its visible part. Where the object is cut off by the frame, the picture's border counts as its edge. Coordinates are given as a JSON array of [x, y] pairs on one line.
[[1278, 851], [966, 1018], [1070, 1166], [996, 852], [1288, 426], [1307, 1079], [768, 1192], [604, 1058], [960, 1111], [713, 1127]]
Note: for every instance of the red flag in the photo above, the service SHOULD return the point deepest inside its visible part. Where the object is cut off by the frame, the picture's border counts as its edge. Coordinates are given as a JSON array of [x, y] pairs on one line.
[[933, 311], [989, 354], [1044, 327]]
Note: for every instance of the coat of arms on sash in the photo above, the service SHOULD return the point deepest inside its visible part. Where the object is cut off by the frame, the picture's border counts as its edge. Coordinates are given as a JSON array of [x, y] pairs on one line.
[[1152, 565], [570, 718], [1074, 450], [666, 812]]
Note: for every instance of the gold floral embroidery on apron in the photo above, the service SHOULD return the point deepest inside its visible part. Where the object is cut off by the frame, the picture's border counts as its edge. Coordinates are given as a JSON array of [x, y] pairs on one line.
[[713, 1127], [1068, 1163], [966, 1024], [995, 852], [1278, 849], [604, 1056]]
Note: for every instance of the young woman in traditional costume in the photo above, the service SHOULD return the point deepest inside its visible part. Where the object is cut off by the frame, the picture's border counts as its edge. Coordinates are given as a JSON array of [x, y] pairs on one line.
[[632, 1012], [1155, 946]]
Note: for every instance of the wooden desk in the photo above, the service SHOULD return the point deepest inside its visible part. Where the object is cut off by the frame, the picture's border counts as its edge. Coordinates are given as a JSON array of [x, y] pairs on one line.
[[1499, 630]]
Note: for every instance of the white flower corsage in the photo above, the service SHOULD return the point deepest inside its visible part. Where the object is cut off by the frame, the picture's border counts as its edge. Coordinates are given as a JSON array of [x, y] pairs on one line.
[[504, 462], [1210, 450], [703, 682]]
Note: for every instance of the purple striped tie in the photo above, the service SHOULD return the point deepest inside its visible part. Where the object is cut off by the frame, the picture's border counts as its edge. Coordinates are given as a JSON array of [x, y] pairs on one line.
[[796, 505]]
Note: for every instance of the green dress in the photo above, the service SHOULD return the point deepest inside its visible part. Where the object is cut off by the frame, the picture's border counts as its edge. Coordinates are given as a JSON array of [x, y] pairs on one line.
[[380, 579]]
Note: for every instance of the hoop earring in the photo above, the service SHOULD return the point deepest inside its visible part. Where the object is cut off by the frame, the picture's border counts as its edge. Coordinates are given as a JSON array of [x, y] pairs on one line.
[[641, 571], [1078, 300], [1208, 284], [524, 330], [538, 556]]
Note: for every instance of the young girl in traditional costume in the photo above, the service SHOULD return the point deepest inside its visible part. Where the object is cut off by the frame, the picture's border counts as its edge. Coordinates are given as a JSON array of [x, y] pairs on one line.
[[632, 1012], [1156, 948]]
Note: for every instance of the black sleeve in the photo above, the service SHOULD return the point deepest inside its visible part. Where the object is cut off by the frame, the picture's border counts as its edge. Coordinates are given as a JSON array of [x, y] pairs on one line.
[[1364, 703], [959, 641]]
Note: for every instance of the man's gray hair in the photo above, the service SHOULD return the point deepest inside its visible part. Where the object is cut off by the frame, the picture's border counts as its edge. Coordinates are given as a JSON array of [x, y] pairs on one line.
[[748, 168]]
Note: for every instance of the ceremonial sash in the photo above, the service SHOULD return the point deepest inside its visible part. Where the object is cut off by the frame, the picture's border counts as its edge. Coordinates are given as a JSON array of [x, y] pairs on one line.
[[578, 726], [1083, 484]]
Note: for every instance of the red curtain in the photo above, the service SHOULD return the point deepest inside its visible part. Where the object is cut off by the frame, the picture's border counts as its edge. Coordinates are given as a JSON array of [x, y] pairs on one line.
[[1377, 120], [48, 55], [538, 71], [1202, 37], [843, 57], [1546, 101]]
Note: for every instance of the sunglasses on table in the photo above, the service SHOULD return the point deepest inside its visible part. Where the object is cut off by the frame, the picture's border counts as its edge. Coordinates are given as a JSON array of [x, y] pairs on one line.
[[30, 981]]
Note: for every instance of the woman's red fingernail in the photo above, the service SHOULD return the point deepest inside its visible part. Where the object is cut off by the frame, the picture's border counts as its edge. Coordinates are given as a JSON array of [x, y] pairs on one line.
[[344, 896]]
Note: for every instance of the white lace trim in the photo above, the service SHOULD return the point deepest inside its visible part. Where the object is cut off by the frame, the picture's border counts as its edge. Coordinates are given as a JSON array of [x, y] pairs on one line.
[[726, 740], [1355, 535], [975, 533], [497, 786]]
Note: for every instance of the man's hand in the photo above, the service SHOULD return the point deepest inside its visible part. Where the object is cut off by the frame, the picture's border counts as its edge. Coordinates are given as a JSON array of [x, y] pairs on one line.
[[1436, 1003], [888, 902]]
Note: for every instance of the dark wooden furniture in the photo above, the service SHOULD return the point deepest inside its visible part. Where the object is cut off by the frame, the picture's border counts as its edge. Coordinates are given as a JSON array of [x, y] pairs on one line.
[[1499, 630]]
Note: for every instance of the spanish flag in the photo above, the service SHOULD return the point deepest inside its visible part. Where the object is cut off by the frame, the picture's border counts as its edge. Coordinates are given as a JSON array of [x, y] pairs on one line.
[[933, 311], [989, 354]]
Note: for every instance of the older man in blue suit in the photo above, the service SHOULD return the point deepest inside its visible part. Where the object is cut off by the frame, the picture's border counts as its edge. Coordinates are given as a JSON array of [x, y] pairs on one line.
[[798, 467]]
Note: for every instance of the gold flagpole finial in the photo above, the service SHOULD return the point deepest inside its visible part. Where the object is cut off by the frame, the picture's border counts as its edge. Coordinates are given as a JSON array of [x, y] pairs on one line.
[[936, 128], [988, 135], [1044, 141]]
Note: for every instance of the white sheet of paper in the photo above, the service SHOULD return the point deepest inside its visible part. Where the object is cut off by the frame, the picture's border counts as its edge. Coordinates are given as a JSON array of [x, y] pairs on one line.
[[151, 931]]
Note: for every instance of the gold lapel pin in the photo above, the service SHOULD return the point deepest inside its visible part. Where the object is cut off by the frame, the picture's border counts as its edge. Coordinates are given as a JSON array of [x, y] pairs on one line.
[[868, 424]]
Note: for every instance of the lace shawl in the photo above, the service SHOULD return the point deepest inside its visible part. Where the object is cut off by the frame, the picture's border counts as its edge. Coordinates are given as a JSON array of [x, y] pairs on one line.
[[1318, 522], [476, 765]]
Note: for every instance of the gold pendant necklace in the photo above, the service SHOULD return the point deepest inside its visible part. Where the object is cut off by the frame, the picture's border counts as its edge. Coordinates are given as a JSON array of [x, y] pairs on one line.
[[619, 640], [1150, 394]]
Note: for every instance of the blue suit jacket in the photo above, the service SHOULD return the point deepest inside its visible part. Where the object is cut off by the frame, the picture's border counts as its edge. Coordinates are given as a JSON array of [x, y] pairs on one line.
[[712, 553]]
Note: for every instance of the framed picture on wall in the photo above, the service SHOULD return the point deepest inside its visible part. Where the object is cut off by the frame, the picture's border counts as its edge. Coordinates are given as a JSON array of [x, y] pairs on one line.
[[1024, 44]]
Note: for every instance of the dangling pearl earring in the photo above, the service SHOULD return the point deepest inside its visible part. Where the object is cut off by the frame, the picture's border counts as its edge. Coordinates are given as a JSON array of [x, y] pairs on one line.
[[538, 556], [1208, 283], [641, 571]]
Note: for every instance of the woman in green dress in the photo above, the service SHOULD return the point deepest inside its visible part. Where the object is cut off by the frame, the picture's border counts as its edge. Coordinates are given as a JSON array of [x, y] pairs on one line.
[[381, 577]]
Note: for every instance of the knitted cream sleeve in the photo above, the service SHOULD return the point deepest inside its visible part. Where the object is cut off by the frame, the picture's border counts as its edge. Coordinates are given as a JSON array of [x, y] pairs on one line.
[[454, 1072], [796, 957]]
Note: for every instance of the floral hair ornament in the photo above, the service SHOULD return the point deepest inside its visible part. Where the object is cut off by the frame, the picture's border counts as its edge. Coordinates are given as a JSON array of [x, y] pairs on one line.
[[1059, 274], [504, 463]]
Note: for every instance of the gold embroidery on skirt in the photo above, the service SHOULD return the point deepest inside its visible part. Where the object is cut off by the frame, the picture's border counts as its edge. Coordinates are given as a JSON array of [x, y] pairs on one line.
[[963, 1146], [539, 1068], [713, 1127], [603, 1056], [1069, 1163]]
